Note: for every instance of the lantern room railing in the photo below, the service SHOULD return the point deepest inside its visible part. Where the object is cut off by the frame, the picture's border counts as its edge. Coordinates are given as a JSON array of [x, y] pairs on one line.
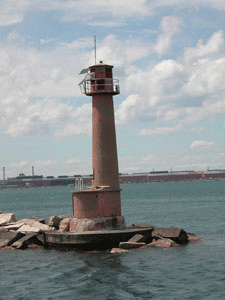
[[100, 85]]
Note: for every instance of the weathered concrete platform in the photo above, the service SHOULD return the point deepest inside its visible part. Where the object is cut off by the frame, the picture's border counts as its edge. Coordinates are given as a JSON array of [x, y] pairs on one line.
[[104, 239]]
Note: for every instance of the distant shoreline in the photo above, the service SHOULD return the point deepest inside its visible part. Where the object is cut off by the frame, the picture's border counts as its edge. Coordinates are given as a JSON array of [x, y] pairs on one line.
[[123, 183]]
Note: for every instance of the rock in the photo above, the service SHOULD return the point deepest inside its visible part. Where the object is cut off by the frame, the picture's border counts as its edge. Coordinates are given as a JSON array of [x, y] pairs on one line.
[[8, 238], [137, 238], [27, 225], [193, 238], [53, 221], [130, 245], [34, 224], [25, 241], [7, 219], [95, 224], [26, 228], [64, 225], [13, 226], [118, 250], [142, 225], [178, 235], [8, 248], [3, 229], [161, 243]]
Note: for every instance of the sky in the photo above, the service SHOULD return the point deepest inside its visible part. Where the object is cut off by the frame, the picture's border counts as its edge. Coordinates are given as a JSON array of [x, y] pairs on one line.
[[169, 56]]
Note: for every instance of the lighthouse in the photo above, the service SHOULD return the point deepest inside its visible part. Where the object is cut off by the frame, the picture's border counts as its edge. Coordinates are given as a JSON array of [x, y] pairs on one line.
[[97, 222], [101, 202]]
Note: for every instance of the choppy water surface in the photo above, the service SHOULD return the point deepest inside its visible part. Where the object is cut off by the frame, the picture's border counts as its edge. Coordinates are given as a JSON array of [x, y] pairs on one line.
[[195, 271]]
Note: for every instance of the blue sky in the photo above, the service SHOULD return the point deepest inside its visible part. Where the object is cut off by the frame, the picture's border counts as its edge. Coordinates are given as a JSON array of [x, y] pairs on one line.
[[169, 56]]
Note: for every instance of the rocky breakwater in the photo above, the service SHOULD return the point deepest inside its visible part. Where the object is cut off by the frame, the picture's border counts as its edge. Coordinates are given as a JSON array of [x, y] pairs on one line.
[[24, 233], [30, 233], [161, 237]]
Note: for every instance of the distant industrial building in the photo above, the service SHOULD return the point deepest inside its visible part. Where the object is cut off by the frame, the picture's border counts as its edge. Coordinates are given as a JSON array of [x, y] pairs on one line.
[[35, 181]]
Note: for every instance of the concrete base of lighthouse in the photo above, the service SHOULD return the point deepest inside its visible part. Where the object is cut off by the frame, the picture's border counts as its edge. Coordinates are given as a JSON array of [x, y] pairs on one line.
[[95, 224], [96, 209], [96, 203]]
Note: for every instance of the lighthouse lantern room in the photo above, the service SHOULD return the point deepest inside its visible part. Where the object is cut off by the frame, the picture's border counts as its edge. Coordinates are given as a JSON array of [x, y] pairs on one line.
[[99, 79]]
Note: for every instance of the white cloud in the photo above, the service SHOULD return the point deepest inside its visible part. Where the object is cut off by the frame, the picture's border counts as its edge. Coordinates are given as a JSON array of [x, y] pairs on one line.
[[45, 163], [170, 25], [119, 52], [18, 164], [112, 9], [161, 131], [201, 144], [32, 87], [196, 129], [216, 4], [127, 109], [98, 12], [212, 46], [12, 12], [13, 35], [73, 160], [178, 90], [149, 158]]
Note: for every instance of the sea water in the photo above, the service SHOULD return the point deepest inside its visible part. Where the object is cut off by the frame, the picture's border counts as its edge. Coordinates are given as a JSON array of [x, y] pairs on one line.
[[195, 271]]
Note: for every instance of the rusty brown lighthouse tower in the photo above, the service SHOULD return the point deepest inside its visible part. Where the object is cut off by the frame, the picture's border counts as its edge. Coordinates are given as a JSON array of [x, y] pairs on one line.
[[101, 201]]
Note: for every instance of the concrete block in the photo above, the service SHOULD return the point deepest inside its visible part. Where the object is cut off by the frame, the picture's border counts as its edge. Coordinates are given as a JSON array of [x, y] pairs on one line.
[[118, 250], [178, 235], [13, 226], [137, 238], [64, 225], [35, 224], [53, 221], [193, 238], [162, 243], [25, 241], [8, 238], [131, 245], [26, 228], [94, 224], [7, 219], [142, 225]]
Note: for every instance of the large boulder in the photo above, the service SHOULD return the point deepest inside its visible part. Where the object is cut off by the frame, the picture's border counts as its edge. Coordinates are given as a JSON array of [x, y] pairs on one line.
[[193, 238], [64, 225], [7, 238], [178, 235], [25, 241], [118, 250], [35, 226], [7, 219], [53, 221], [137, 238], [142, 225], [137, 241], [27, 228], [161, 243], [12, 226], [130, 245]]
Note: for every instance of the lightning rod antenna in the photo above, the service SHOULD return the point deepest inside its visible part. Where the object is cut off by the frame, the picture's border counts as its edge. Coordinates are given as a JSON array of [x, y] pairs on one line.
[[95, 45]]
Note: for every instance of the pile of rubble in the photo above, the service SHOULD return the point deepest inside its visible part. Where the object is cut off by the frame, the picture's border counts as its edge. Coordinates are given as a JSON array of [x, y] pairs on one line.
[[162, 237], [25, 233]]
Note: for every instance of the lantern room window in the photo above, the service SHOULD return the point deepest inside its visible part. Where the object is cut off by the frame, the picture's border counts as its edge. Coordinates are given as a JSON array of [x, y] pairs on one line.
[[108, 72]]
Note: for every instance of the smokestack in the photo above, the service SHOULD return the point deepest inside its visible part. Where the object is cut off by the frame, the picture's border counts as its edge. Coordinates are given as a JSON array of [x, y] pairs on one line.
[[33, 171], [4, 175]]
